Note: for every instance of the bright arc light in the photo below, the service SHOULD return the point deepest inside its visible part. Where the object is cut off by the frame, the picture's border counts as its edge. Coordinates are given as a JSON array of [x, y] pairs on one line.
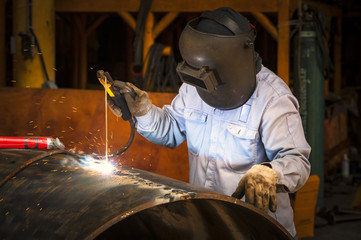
[[104, 167]]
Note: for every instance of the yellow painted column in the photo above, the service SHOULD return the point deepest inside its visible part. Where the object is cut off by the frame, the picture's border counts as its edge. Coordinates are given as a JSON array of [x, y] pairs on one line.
[[28, 72]]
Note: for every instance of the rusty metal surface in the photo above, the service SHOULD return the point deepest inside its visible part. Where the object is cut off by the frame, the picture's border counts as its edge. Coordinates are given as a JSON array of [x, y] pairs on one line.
[[77, 118], [55, 197]]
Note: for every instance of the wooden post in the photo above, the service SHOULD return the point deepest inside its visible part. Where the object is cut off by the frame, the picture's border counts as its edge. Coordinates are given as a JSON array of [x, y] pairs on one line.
[[148, 35], [29, 72], [82, 46], [283, 50], [80, 22], [128, 18], [75, 68], [151, 31], [2, 44], [337, 85]]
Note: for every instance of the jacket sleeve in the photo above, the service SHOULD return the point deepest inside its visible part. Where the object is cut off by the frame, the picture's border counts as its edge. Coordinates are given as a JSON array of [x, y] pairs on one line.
[[164, 126], [285, 144]]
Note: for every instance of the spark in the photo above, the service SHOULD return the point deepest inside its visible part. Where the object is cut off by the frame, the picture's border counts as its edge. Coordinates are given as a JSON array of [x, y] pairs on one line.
[[102, 166]]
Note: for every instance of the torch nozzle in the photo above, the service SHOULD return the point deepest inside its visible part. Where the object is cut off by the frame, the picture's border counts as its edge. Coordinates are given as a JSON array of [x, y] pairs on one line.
[[56, 143]]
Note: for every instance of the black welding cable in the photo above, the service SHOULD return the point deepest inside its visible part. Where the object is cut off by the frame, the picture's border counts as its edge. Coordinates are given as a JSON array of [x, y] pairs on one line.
[[40, 53], [129, 142], [160, 72]]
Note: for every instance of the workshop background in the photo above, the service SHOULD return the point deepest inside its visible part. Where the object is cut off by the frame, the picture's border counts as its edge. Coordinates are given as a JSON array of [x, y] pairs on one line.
[[51, 50]]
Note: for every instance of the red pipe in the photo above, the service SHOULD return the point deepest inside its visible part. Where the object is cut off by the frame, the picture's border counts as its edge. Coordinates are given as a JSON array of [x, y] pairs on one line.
[[30, 142]]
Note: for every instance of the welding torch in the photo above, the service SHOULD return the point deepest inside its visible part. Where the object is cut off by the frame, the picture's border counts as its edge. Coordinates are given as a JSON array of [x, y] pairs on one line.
[[117, 95]]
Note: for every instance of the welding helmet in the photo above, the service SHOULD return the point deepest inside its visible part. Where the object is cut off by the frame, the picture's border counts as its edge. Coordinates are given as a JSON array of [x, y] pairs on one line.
[[220, 66]]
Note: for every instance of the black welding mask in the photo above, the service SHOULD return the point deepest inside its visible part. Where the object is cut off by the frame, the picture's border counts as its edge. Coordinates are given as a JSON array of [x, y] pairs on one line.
[[221, 67]]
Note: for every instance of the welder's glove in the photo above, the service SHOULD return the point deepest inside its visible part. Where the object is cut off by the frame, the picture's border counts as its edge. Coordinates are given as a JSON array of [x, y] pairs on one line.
[[138, 106], [115, 109], [259, 186]]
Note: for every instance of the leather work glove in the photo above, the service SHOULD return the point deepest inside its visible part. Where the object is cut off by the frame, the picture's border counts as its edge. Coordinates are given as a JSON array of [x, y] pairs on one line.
[[259, 186], [138, 106]]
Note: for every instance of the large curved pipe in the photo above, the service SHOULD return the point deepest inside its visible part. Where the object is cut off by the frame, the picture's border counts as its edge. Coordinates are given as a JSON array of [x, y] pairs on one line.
[[60, 197]]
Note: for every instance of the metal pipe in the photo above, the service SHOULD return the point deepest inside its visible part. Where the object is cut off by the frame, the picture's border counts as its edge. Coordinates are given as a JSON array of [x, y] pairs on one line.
[[65, 196], [309, 89]]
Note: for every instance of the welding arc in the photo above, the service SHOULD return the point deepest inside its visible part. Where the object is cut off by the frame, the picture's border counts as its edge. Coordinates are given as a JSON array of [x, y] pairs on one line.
[[31, 161]]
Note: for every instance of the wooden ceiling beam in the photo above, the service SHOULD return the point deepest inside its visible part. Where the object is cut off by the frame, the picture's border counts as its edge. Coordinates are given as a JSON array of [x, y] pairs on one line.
[[164, 5]]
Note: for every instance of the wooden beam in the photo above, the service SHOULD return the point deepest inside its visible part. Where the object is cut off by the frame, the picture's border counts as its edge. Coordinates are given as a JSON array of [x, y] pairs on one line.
[[164, 5], [83, 32], [283, 50], [80, 23], [266, 23], [76, 54], [128, 18], [164, 22]]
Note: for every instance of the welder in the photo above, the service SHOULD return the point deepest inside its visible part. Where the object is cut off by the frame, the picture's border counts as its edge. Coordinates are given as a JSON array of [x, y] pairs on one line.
[[240, 120]]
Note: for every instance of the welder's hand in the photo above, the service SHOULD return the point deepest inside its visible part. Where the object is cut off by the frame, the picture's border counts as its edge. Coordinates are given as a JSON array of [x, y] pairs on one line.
[[259, 186], [114, 108], [138, 106]]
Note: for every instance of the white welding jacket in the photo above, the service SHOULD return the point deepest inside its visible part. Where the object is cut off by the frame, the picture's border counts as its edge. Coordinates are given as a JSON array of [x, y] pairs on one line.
[[223, 145]]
